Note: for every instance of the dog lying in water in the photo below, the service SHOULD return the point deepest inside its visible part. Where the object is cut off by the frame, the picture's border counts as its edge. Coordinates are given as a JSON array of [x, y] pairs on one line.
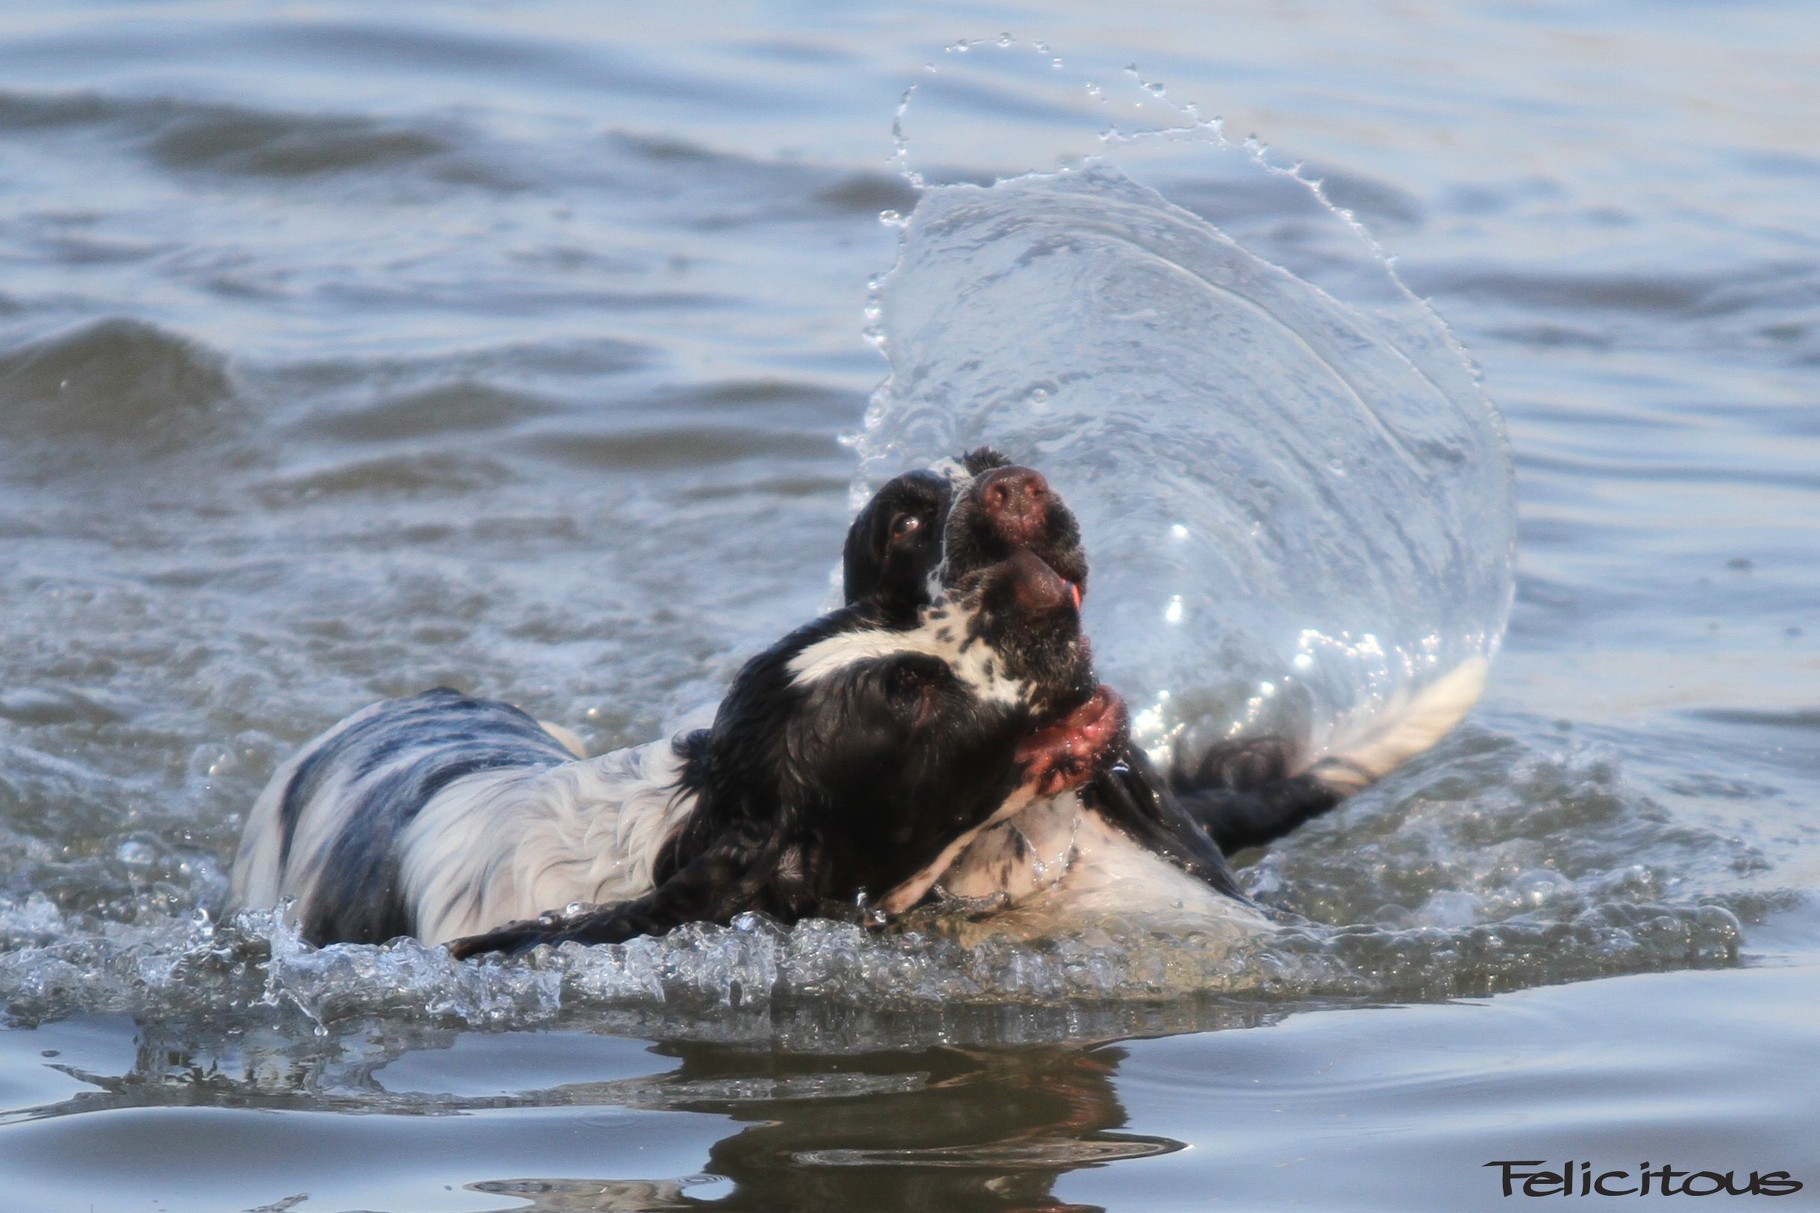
[[1130, 839], [854, 757], [940, 727]]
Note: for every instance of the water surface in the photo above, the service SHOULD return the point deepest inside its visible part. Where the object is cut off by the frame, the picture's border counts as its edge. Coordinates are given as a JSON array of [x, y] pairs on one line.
[[344, 353]]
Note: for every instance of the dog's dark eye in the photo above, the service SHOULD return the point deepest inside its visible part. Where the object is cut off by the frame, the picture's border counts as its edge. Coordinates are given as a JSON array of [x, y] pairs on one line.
[[905, 525]]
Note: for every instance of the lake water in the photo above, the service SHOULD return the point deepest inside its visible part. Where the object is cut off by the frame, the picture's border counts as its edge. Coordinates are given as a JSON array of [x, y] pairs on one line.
[[346, 351]]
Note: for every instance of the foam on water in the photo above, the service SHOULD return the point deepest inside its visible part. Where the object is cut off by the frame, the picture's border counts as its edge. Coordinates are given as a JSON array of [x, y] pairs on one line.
[[1454, 887]]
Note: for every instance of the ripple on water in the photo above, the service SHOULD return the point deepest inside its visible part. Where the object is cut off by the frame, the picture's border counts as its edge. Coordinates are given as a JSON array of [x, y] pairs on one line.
[[120, 381], [461, 406], [232, 141], [409, 474]]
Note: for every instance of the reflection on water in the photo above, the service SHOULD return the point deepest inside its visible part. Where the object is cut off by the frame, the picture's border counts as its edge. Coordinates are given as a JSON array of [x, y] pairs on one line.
[[1340, 1109], [968, 1129], [907, 1129]]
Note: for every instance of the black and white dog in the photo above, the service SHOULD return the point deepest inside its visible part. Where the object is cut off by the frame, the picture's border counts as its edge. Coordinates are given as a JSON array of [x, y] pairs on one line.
[[938, 735], [856, 757]]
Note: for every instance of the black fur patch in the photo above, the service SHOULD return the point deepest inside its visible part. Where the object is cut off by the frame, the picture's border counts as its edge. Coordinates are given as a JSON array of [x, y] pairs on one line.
[[894, 543]]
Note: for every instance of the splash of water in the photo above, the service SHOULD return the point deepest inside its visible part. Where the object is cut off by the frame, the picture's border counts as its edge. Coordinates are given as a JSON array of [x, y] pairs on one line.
[[827, 984], [1297, 501]]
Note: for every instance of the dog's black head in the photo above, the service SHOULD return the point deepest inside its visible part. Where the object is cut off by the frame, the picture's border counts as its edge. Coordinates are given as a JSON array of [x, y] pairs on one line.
[[896, 541], [927, 530], [867, 742], [984, 509]]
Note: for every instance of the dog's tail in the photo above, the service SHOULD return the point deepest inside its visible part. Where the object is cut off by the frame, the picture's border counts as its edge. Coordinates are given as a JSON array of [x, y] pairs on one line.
[[1251, 791]]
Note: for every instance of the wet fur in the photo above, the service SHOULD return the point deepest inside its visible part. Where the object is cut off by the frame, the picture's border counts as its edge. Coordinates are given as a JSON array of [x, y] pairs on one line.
[[847, 759], [442, 816]]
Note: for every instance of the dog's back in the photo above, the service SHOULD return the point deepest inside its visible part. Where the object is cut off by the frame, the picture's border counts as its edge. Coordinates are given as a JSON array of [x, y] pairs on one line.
[[439, 813]]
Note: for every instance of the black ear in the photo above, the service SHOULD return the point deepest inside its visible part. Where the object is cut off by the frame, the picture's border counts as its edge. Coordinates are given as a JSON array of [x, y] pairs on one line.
[[1132, 795], [862, 559], [737, 873]]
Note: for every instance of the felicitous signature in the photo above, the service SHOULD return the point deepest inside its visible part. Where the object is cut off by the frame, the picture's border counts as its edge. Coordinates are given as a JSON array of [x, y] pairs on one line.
[[1531, 1177]]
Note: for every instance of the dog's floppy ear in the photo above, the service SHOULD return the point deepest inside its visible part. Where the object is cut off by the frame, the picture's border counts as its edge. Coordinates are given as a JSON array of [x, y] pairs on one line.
[[738, 872]]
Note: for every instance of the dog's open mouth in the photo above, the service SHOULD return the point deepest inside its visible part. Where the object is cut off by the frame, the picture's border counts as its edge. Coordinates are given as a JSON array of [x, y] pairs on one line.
[[1066, 751], [1082, 726]]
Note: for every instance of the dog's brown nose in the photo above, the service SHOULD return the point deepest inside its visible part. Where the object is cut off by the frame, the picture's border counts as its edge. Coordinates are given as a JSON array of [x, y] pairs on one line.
[[1016, 501]]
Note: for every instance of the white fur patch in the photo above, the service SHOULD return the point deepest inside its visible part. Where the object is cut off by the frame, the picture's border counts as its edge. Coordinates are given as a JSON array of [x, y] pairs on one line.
[[978, 665], [490, 848], [960, 482], [1056, 865], [1011, 861], [499, 846]]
